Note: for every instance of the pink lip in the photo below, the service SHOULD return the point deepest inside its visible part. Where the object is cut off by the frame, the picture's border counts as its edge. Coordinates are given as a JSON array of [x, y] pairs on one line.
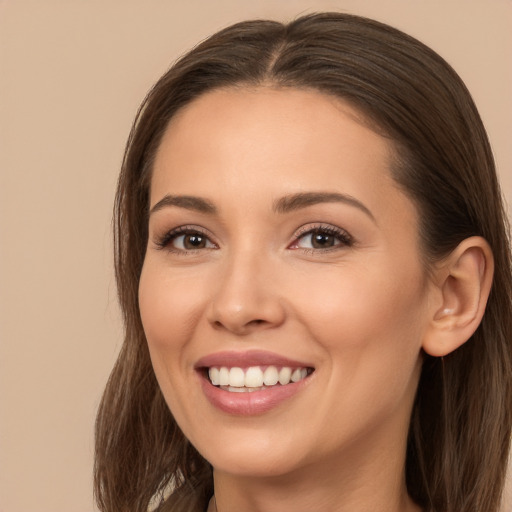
[[255, 402], [248, 358], [248, 404]]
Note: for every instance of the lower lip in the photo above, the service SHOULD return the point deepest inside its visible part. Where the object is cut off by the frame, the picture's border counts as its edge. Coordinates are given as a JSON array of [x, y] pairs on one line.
[[250, 403]]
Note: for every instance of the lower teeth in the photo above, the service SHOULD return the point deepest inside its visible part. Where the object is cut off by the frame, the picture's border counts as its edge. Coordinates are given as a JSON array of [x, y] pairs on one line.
[[244, 389]]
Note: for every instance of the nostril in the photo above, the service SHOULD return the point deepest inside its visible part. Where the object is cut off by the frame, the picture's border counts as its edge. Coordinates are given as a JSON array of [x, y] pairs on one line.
[[239, 328], [255, 323]]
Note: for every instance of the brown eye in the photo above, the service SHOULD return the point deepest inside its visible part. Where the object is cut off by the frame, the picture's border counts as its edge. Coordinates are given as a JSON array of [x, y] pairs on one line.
[[189, 240], [322, 240], [193, 241]]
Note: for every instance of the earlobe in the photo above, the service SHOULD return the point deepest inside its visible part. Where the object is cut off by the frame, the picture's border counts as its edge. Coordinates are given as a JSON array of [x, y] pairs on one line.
[[463, 284]]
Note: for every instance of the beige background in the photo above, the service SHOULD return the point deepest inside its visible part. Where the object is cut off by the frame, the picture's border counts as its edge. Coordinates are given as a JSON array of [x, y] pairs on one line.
[[72, 74]]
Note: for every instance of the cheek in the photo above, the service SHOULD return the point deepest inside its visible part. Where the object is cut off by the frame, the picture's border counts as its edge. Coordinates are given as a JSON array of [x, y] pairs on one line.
[[170, 308], [368, 322], [370, 327], [348, 302]]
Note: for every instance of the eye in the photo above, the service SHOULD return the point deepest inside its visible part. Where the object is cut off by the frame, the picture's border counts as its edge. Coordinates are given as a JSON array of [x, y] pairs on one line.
[[191, 241], [185, 239], [322, 238]]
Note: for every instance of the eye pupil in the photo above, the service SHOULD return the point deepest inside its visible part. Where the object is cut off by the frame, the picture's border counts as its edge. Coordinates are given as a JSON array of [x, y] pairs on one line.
[[194, 241], [320, 240]]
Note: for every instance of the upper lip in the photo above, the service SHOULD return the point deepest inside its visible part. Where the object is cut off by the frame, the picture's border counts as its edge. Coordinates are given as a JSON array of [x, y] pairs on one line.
[[248, 358]]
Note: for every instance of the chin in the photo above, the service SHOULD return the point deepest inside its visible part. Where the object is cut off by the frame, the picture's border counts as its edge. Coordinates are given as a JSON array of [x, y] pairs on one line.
[[260, 467], [251, 459]]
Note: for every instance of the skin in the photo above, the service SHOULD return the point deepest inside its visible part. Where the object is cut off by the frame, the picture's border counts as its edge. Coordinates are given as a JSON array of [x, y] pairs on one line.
[[357, 312]]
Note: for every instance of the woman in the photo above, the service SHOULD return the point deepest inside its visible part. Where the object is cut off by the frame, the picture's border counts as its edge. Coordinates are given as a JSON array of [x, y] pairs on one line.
[[313, 264]]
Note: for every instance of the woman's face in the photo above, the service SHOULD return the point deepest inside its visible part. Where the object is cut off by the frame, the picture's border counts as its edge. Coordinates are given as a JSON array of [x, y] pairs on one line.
[[281, 248]]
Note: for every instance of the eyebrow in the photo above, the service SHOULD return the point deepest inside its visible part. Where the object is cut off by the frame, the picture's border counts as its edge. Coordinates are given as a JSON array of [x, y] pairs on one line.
[[284, 204], [303, 200], [197, 204]]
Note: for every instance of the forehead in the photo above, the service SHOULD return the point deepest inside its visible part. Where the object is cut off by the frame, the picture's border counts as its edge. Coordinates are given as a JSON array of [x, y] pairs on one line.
[[256, 131], [242, 111], [246, 147]]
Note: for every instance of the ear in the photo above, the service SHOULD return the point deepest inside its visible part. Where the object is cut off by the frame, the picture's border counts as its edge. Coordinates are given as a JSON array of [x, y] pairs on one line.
[[462, 286]]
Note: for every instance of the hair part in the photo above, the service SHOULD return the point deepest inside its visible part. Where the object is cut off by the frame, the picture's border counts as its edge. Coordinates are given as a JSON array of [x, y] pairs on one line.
[[461, 421]]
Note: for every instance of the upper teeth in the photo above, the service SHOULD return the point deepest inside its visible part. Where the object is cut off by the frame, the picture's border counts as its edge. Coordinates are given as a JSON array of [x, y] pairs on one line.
[[254, 376]]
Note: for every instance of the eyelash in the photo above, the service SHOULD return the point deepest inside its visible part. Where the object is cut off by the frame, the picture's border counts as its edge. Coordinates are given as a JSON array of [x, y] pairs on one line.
[[344, 238], [165, 241]]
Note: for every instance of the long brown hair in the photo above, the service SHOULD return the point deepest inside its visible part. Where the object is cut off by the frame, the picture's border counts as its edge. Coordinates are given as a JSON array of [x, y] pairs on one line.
[[461, 421]]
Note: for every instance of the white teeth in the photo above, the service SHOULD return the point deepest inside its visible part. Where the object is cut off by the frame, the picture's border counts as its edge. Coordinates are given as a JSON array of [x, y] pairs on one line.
[[224, 376], [254, 378], [214, 376], [236, 377], [296, 375], [270, 376], [241, 390], [285, 375]]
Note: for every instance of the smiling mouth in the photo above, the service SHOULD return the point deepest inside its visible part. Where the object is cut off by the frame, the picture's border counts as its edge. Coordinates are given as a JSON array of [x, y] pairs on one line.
[[255, 378]]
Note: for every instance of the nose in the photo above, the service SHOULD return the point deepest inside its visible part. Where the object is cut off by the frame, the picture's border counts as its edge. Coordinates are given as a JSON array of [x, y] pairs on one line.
[[246, 297]]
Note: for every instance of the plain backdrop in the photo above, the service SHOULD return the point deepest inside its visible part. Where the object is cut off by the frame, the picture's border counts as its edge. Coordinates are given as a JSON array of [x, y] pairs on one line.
[[72, 73]]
